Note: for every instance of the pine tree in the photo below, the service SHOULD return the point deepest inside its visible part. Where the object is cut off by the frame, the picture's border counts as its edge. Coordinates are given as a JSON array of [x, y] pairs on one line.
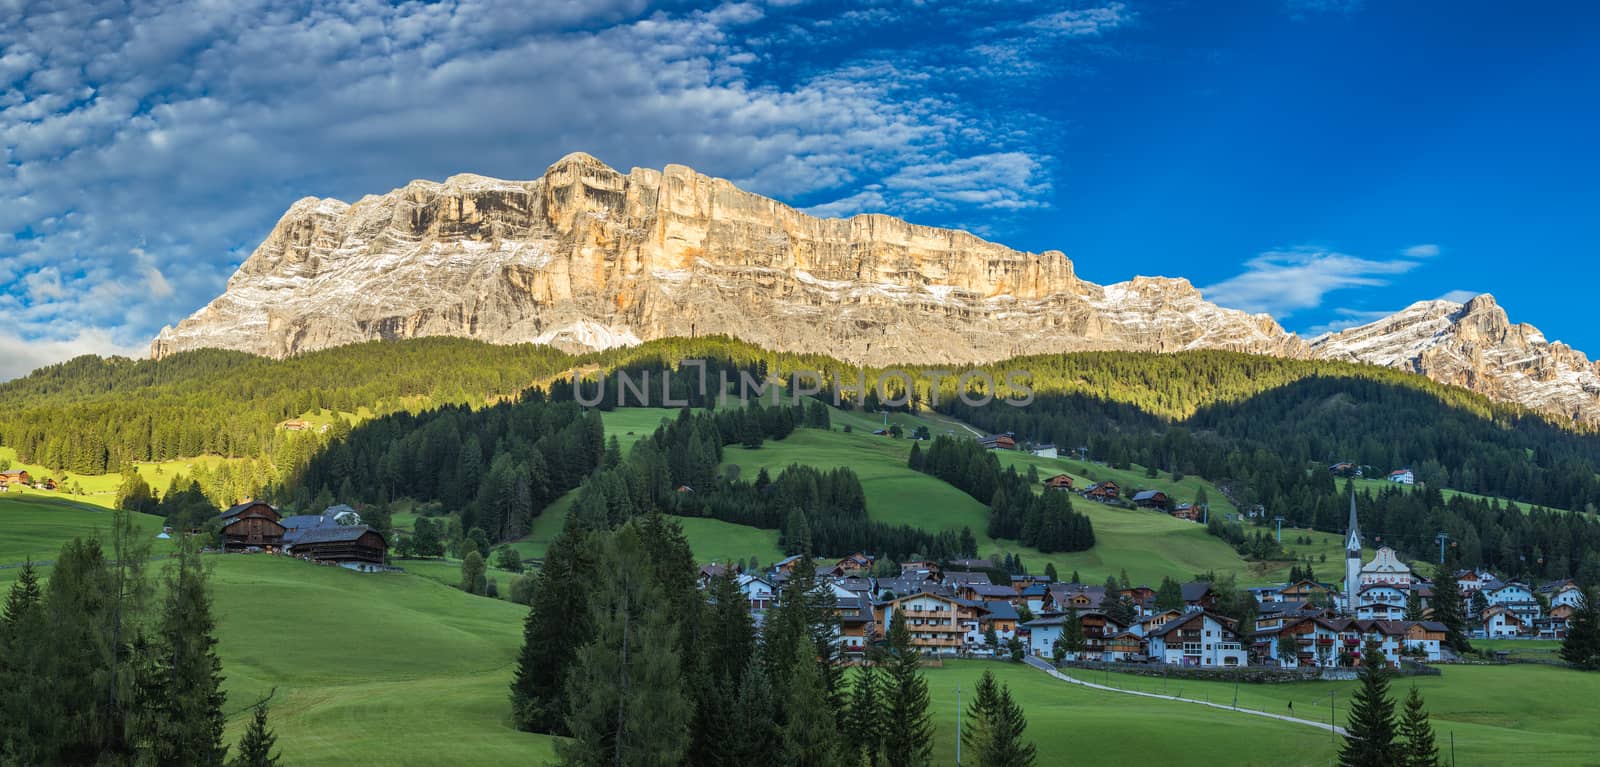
[[1447, 607], [1419, 749], [183, 701], [863, 724], [756, 739], [1170, 595], [1370, 734], [810, 728], [23, 684], [626, 703], [255, 747], [557, 624], [1581, 646], [1006, 747], [908, 731], [976, 727]]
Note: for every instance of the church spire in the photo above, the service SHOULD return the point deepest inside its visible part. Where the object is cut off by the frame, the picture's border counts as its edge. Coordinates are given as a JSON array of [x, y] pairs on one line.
[[1353, 534]]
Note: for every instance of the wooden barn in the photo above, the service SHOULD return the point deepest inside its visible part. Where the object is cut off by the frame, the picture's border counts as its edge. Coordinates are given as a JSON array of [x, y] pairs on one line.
[[1103, 491], [1058, 482], [1150, 499], [251, 525], [355, 546]]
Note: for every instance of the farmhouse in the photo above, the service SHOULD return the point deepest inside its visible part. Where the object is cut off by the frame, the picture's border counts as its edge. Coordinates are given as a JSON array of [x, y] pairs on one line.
[[758, 591], [1104, 492], [1188, 511], [1058, 482], [14, 477], [1150, 499], [999, 442], [252, 525], [357, 547]]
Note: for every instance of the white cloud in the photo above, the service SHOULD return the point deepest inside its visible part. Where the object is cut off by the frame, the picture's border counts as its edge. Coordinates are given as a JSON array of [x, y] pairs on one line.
[[1284, 282], [1426, 250], [1460, 296], [151, 144], [20, 358]]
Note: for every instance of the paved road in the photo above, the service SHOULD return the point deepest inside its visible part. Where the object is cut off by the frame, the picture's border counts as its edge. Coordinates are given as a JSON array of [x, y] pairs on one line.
[[1044, 666]]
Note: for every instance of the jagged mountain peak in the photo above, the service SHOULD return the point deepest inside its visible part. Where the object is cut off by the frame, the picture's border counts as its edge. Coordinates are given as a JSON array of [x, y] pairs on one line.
[[586, 257]]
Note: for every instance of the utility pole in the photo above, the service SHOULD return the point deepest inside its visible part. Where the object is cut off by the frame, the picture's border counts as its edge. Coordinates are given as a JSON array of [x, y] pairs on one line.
[[1441, 538], [1279, 520]]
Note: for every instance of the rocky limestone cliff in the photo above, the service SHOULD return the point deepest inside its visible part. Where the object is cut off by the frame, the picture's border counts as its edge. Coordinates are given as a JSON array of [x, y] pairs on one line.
[[1475, 346], [587, 257]]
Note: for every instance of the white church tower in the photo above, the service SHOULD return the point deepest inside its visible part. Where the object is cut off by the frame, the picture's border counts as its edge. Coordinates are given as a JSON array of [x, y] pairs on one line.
[[1352, 559]]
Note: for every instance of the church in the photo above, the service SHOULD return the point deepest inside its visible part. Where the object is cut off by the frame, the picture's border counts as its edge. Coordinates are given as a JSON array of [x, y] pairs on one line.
[[1380, 586]]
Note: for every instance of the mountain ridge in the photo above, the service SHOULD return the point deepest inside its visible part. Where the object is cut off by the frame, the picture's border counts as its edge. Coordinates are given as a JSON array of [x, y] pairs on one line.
[[587, 257]]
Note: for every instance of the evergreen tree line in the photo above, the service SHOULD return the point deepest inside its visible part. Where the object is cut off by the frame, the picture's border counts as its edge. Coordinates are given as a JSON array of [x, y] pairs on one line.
[[500, 465], [1581, 646], [1045, 521], [102, 667], [624, 655]]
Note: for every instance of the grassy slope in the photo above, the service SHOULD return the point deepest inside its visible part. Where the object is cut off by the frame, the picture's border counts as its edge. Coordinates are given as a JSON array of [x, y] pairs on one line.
[[101, 489], [1498, 714], [1095, 727], [33, 526]]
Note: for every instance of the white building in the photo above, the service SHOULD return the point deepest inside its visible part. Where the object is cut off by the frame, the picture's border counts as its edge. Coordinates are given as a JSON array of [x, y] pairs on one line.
[[1402, 477], [1200, 639], [1387, 568], [758, 591]]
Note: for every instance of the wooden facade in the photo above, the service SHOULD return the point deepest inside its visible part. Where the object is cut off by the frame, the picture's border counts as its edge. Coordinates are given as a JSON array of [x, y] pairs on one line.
[[252, 525], [1059, 482], [355, 544]]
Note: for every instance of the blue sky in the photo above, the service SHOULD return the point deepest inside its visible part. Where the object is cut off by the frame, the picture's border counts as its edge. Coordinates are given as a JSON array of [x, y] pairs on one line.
[[1324, 161]]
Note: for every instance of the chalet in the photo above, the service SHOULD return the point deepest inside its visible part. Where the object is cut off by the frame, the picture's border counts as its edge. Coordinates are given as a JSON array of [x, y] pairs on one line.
[[1000, 616], [758, 591], [1563, 592], [709, 573], [1033, 597], [971, 564], [1154, 622], [905, 585], [1469, 581], [787, 564], [1105, 492], [1150, 499], [1200, 638], [251, 526], [855, 564], [856, 627], [1344, 469], [1198, 595], [1500, 622], [1125, 646], [357, 547], [1508, 593], [1380, 611], [856, 584], [1402, 477], [1045, 450], [1188, 511], [1316, 641], [1061, 597], [1306, 591], [918, 566], [931, 619], [1058, 482], [999, 442], [1427, 636], [1381, 593], [984, 592], [1043, 632], [1098, 628], [1554, 625], [1266, 594], [14, 477], [295, 424]]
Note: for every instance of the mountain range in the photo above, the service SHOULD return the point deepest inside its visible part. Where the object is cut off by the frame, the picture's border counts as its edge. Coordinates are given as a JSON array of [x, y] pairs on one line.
[[587, 257]]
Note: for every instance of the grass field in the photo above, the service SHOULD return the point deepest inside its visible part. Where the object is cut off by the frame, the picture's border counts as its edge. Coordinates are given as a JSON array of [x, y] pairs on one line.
[[1498, 714], [1076, 725], [101, 489], [34, 526]]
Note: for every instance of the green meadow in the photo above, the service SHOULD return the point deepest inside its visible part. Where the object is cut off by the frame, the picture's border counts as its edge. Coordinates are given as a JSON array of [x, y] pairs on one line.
[[1497, 714]]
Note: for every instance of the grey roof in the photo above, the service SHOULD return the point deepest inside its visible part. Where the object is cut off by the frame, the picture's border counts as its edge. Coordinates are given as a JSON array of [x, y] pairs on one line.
[[236, 509], [988, 590], [1146, 495], [1001, 610], [304, 521], [1194, 591], [330, 534]]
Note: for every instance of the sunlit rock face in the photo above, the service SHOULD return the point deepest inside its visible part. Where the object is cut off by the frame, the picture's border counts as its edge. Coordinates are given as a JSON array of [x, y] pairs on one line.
[[586, 257]]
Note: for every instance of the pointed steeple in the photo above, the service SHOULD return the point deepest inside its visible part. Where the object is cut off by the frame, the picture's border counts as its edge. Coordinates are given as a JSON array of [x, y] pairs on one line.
[[1352, 541]]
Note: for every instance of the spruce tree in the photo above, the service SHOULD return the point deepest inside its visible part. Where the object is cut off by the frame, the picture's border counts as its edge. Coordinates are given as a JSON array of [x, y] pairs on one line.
[[1447, 607], [863, 724], [1419, 749], [908, 731], [557, 624], [23, 684], [626, 703], [1370, 734], [976, 727], [183, 700], [756, 739], [255, 747], [1581, 646], [810, 727]]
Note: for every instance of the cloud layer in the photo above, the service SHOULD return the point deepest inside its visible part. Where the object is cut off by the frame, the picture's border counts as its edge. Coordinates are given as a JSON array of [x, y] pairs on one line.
[[151, 144]]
